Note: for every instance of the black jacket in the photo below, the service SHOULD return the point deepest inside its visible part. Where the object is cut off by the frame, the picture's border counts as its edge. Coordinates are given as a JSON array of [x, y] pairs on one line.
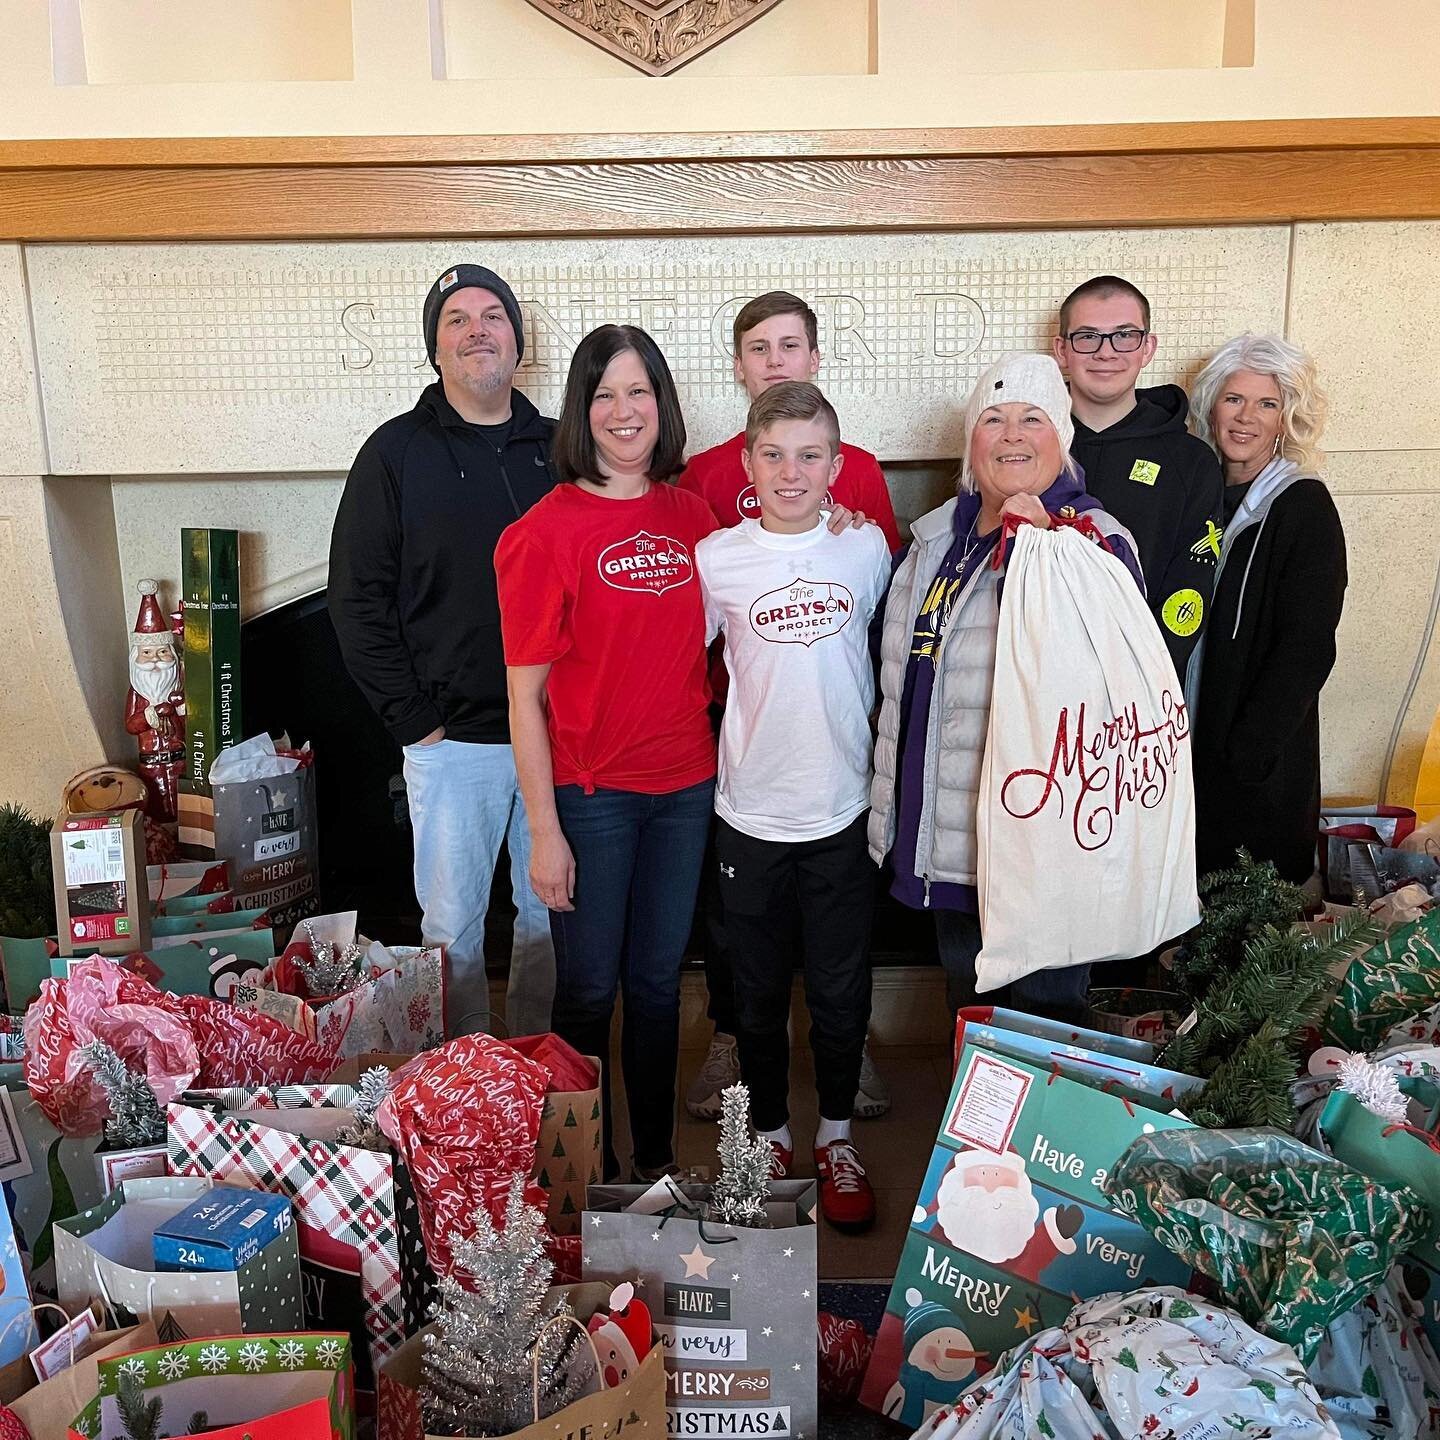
[[1163, 485], [412, 572], [1256, 742]]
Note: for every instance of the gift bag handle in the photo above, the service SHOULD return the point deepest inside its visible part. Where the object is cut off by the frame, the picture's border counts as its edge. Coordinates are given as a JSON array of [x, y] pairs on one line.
[[535, 1357], [29, 1313], [493, 1016]]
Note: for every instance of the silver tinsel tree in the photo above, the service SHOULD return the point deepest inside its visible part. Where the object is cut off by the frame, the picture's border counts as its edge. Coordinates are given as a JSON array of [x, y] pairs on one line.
[[364, 1132], [491, 1319], [331, 969], [135, 1115], [738, 1196]]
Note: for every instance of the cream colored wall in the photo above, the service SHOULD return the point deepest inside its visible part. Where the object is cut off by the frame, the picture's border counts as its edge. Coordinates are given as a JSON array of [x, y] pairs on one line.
[[935, 63], [159, 41]]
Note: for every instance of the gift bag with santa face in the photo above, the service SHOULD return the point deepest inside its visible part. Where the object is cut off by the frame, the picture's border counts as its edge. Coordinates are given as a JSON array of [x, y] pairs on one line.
[[1086, 796], [734, 1307], [1011, 1224]]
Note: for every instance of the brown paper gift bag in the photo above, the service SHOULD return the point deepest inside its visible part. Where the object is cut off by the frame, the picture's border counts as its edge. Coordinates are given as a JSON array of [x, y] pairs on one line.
[[46, 1407], [636, 1407], [567, 1153]]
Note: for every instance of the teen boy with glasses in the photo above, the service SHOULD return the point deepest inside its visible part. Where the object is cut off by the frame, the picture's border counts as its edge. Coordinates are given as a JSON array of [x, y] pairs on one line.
[[1162, 483]]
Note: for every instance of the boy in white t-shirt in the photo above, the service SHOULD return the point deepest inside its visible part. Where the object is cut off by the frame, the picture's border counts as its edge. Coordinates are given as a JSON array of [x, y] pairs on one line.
[[794, 603]]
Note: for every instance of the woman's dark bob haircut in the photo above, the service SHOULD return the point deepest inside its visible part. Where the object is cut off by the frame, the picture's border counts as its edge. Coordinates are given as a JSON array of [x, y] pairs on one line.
[[572, 449]]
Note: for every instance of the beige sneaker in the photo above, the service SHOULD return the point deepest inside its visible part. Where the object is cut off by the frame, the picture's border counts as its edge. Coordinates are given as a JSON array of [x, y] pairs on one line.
[[872, 1099], [721, 1069]]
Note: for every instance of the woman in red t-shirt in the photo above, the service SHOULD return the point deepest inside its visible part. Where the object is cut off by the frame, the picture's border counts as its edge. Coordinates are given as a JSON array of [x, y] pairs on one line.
[[605, 643]]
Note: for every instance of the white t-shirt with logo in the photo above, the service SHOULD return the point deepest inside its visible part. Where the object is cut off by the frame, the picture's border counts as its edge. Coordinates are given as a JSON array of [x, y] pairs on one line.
[[795, 745]]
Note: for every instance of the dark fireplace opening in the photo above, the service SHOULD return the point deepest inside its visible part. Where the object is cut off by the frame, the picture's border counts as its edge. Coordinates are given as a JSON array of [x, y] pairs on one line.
[[293, 679]]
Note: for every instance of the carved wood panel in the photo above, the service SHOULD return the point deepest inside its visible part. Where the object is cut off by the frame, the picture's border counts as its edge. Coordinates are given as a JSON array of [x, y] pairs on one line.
[[656, 36]]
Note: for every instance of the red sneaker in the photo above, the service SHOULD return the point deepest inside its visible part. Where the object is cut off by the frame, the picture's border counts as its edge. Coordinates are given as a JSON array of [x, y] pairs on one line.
[[846, 1199], [781, 1160]]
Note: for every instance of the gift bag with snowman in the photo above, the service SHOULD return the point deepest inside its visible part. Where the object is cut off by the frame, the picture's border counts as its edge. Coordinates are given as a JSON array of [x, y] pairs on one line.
[[1086, 795]]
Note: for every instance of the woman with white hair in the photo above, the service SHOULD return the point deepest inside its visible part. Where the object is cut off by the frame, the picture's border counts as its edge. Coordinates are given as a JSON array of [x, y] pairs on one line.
[[938, 663], [1269, 645]]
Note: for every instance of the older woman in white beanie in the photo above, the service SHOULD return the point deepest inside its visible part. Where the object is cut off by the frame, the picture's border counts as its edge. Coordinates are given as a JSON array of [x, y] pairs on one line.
[[938, 663]]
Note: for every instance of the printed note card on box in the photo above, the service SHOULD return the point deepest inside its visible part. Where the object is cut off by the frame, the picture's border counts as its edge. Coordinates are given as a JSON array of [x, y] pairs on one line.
[[221, 1230], [210, 579], [102, 905]]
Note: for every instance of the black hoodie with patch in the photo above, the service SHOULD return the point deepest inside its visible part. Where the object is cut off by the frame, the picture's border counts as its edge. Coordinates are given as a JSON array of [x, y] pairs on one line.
[[412, 564], [1163, 484]]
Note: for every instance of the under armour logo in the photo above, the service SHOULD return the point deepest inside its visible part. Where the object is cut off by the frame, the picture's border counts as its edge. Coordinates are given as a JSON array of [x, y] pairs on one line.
[[727, 870]]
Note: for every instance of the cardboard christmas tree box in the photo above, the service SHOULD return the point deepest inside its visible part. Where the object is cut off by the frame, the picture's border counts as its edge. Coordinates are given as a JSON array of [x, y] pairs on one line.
[[210, 580], [102, 905], [1010, 1228]]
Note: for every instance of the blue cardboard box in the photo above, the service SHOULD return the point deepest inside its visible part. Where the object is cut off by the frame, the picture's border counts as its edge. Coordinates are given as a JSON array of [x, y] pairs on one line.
[[222, 1229]]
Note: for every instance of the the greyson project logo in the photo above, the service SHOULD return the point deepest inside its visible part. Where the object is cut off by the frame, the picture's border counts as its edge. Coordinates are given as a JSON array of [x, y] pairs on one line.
[[802, 612], [646, 562]]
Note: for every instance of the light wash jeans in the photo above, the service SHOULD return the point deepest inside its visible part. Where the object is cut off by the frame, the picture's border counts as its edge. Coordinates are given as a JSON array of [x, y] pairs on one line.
[[464, 801]]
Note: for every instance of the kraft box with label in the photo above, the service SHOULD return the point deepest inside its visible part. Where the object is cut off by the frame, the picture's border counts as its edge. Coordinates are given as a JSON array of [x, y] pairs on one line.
[[221, 1230], [102, 904]]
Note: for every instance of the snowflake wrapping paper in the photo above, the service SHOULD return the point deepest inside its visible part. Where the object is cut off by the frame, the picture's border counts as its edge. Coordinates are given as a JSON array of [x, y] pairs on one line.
[[295, 1386]]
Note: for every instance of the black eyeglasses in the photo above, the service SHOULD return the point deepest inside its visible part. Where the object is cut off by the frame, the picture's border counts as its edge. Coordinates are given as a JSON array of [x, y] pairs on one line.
[[1123, 342]]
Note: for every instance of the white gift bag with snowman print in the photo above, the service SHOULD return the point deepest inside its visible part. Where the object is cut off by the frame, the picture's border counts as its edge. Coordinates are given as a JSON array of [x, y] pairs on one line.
[[1086, 813]]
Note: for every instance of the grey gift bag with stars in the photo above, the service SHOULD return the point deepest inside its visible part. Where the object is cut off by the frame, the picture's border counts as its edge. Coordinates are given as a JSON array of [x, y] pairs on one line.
[[104, 1255], [734, 1308]]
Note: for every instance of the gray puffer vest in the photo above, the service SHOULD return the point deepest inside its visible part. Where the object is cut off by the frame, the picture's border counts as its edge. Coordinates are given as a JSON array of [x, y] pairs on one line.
[[959, 720]]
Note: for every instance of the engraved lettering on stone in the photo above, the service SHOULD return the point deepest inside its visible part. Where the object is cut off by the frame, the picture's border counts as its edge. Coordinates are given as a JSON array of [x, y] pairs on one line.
[[954, 326], [842, 316], [351, 318], [656, 36]]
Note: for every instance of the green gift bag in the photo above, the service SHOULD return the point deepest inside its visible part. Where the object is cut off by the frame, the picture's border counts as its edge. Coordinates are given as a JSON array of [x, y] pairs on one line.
[[1390, 982], [1292, 1237]]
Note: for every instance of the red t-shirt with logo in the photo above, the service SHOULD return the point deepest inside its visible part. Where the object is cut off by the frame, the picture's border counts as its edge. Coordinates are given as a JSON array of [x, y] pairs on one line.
[[605, 593], [717, 475]]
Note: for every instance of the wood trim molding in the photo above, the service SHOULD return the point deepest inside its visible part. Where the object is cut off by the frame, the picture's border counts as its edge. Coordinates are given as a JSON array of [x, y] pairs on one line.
[[400, 187]]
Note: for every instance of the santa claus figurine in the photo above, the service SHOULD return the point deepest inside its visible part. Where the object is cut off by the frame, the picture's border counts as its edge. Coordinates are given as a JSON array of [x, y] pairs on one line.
[[155, 709], [984, 1206]]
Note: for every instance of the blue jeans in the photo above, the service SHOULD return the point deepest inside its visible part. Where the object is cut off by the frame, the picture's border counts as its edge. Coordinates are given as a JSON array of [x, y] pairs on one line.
[[1055, 994], [464, 804], [637, 870]]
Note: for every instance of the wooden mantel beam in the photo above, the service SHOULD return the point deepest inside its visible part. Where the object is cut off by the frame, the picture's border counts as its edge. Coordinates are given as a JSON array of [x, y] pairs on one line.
[[401, 187]]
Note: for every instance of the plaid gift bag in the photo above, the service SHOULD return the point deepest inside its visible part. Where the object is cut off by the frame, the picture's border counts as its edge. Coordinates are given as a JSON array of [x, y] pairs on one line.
[[354, 1208]]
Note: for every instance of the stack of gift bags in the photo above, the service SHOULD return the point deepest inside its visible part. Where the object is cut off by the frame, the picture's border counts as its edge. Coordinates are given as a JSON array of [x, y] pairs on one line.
[[252, 1190], [1235, 1235]]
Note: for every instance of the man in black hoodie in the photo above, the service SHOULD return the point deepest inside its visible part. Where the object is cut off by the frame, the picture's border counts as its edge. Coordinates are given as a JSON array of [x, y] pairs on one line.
[[1162, 483], [412, 596]]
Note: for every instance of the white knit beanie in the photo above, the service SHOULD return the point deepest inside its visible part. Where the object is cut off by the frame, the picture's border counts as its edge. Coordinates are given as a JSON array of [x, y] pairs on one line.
[[1024, 380]]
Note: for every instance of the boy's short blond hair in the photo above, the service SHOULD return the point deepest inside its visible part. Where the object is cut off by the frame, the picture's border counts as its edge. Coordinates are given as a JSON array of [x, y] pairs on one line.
[[791, 400]]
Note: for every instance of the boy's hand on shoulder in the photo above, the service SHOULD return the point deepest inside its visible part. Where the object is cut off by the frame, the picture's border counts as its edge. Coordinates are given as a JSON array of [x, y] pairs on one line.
[[842, 519]]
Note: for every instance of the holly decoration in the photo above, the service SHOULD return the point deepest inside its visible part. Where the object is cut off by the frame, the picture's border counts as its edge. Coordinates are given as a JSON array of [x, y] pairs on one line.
[[1127, 1358]]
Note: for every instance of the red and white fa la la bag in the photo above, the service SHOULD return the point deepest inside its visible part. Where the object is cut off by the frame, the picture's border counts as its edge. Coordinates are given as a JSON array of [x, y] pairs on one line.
[[1086, 813]]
